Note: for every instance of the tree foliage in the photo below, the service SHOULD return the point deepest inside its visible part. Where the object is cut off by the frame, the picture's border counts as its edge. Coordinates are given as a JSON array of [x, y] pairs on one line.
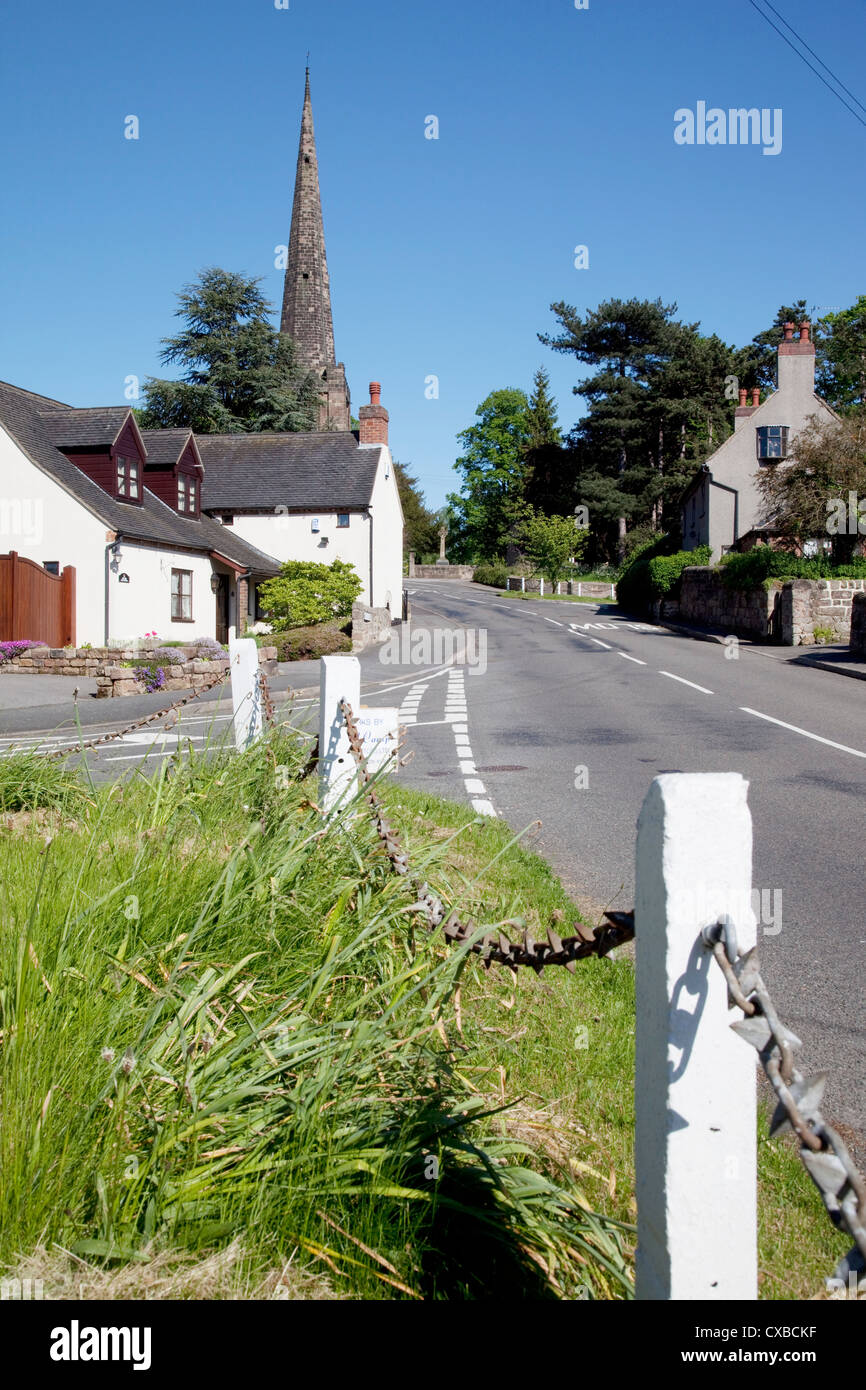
[[551, 542], [305, 592], [238, 374], [490, 507], [421, 525], [803, 497]]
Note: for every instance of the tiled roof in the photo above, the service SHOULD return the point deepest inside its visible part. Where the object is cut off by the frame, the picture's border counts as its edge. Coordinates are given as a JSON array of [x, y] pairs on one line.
[[22, 415], [248, 472], [165, 446], [76, 429]]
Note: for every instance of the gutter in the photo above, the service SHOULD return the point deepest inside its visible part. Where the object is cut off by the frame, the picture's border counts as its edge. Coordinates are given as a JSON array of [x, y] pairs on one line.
[[118, 539]]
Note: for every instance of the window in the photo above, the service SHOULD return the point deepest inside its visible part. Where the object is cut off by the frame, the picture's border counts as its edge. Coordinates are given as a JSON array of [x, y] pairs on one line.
[[228, 519], [187, 494], [772, 441], [181, 596], [52, 566], [127, 477], [342, 519]]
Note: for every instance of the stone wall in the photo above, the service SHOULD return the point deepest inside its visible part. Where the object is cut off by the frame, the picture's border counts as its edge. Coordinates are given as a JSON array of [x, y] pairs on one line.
[[369, 625], [440, 571], [704, 599], [810, 604], [858, 626], [105, 665]]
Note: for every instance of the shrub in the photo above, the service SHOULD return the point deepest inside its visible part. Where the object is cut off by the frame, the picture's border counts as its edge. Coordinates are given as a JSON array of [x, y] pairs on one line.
[[9, 650], [309, 643], [494, 573], [754, 567], [654, 571], [207, 647], [151, 677], [304, 593]]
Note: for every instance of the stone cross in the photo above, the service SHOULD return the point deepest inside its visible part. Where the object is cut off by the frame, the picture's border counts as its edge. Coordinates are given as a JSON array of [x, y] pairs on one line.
[[443, 532]]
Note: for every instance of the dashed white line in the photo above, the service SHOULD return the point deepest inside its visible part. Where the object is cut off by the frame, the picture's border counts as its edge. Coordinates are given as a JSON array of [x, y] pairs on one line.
[[670, 675], [625, 656], [843, 747], [598, 642]]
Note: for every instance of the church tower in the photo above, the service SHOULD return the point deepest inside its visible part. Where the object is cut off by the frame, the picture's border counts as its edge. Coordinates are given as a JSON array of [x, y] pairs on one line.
[[306, 316]]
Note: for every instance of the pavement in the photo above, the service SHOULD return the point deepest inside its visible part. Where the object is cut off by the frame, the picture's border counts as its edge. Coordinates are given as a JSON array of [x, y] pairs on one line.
[[18, 691]]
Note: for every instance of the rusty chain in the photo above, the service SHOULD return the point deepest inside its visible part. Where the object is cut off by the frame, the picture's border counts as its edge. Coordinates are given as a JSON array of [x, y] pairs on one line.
[[139, 723], [494, 946], [823, 1151]]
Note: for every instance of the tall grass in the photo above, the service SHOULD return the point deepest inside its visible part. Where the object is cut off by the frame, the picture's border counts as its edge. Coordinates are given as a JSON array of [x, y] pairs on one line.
[[216, 1022]]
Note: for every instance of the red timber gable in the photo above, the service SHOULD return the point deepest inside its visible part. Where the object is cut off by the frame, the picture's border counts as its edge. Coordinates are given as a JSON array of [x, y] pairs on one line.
[[174, 471], [114, 462]]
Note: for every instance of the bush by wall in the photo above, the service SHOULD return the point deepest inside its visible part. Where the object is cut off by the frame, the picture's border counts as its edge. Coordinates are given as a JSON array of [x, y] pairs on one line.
[[494, 572], [753, 567]]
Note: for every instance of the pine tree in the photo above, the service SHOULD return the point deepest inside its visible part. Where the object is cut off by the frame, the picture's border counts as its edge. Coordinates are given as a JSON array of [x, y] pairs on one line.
[[238, 373]]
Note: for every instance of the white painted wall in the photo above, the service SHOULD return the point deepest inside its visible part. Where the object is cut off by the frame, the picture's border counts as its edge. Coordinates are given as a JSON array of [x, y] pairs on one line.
[[144, 604], [42, 521], [387, 538]]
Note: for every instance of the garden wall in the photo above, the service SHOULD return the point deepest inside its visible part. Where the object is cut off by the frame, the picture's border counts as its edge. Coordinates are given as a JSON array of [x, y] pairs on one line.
[[369, 625], [706, 600], [858, 626], [105, 666], [808, 604]]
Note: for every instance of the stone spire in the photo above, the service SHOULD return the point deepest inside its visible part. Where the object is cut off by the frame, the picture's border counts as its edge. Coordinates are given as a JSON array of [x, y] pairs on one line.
[[306, 316]]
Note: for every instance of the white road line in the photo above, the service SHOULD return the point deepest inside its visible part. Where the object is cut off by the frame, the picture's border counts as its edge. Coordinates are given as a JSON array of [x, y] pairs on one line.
[[553, 620], [683, 681], [484, 808], [843, 747], [475, 786], [598, 642], [625, 656]]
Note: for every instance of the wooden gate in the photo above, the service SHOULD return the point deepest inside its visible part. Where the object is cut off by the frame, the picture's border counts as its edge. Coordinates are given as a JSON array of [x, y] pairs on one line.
[[35, 604]]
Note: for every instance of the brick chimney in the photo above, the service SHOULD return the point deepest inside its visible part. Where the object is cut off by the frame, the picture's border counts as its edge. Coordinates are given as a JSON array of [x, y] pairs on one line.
[[373, 418], [797, 360], [743, 411]]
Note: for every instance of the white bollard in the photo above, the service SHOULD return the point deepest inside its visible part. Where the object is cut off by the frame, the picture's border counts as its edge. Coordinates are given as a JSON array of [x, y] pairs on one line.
[[695, 1089], [340, 679], [246, 691]]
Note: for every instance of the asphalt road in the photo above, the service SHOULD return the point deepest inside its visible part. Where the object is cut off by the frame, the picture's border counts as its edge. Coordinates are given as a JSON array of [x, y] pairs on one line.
[[623, 702]]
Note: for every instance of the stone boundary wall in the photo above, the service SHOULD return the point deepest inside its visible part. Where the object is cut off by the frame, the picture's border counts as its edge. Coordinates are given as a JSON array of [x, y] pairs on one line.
[[369, 625], [705, 599], [808, 604], [104, 665], [857, 640], [440, 571]]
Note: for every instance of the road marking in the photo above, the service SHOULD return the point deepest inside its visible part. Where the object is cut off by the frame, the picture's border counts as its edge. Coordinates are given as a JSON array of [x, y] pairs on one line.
[[599, 643], [843, 747], [484, 808], [625, 656], [553, 620], [683, 681]]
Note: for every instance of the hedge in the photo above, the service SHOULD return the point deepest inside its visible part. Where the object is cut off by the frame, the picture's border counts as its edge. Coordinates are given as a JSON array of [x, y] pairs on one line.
[[752, 568]]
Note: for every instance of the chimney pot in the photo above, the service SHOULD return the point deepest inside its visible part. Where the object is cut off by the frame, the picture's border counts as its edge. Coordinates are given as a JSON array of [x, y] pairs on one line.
[[373, 418], [804, 331], [743, 395], [789, 332], [375, 393], [756, 395]]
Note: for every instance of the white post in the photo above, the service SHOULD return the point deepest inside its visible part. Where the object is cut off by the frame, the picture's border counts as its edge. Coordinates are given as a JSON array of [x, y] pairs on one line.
[[695, 1092], [340, 679], [579, 588], [541, 588], [523, 584], [246, 691]]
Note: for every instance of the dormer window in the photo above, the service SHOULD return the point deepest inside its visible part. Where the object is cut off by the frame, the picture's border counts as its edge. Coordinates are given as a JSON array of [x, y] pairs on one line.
[[127, 478], [772, 442]]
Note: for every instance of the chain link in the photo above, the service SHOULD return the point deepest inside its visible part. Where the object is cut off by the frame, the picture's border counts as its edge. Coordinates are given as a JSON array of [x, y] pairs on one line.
[[823, 1151], [494, 946], [139, 723]]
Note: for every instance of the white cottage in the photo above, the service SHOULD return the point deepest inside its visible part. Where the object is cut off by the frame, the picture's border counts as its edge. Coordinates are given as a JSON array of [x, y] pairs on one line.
[[722, 507]]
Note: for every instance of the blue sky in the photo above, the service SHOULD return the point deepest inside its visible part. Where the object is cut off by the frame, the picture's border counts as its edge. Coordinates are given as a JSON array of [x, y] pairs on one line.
[[555, 129]]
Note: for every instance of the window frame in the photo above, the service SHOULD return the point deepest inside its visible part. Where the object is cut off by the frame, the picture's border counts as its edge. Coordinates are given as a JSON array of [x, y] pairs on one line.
[[767, 435], [127, 478], [344, 525], [178, 597]]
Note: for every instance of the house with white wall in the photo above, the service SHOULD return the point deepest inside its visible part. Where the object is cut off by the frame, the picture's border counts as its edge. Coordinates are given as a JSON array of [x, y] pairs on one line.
[[81, 489], [320, 496], [721, 507]]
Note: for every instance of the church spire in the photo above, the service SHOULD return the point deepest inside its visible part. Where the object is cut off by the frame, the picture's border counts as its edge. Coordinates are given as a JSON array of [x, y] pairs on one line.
[[306, 316]]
